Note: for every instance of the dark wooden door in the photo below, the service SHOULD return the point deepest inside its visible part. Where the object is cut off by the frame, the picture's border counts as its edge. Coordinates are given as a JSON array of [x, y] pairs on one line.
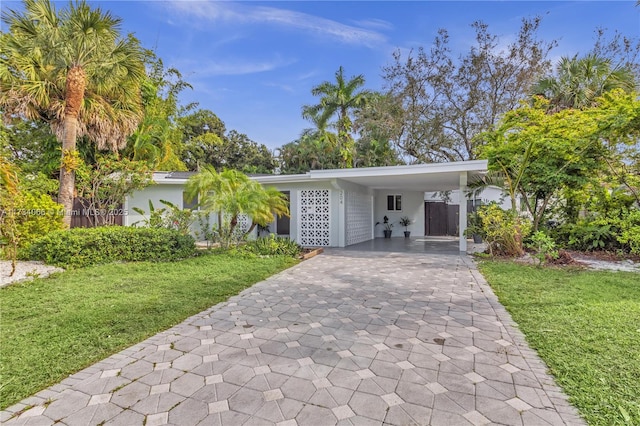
[[283, 223], [453, 212], [435, 218]]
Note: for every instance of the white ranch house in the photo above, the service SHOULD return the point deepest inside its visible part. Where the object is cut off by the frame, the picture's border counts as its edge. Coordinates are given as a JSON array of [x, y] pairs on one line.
[[340, 207]]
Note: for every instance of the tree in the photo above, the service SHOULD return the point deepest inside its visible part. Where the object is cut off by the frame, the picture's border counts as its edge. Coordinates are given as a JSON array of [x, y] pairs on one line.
[[340, 98], [25, 214], [447, 102], [620, 50], [379, 124], [158, 139], [230, 194], [541, 154], [103, 186], [578, 82], [74, 71], [9, 194], [31, 146], [266, 203], [314, 150], [247, 155], [200, 122], [205, 143]]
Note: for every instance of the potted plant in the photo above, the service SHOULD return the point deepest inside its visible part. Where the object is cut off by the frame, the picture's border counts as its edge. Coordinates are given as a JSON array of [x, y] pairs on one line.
[[474, 227], [387, 226], [405, 221]]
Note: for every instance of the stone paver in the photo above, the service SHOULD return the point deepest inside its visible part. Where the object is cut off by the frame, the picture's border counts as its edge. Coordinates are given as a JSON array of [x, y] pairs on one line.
[[348, 337]]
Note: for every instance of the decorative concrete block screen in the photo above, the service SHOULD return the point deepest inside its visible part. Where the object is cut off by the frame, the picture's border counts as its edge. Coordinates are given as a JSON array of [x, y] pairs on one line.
[[315, 217], [242, 224], [359, 221]]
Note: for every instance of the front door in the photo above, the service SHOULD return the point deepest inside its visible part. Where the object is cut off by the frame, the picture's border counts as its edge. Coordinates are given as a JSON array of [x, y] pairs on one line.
[[435, 218], [283, 223]]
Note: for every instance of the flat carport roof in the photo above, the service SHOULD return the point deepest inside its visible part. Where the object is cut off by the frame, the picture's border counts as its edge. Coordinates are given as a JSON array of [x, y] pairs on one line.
[[418, 177]]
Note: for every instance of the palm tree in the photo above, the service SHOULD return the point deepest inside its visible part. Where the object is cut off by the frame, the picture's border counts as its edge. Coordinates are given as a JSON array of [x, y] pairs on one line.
[[267, 203], [339, 98], [580, 81], [74, 71], [230, 194]]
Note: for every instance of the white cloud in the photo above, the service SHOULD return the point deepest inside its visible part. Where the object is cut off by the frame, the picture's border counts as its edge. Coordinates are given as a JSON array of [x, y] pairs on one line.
[[285, 87], [209, 68], [215, 11], [307, 75], [374, 23]]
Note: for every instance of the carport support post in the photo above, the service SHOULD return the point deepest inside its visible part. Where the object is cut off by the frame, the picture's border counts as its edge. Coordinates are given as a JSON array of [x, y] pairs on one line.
[[462, 216]]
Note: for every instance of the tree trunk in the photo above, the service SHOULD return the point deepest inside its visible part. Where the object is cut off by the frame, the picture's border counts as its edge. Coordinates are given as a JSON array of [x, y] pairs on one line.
[[74, 95], [251, 228], [67, 176]]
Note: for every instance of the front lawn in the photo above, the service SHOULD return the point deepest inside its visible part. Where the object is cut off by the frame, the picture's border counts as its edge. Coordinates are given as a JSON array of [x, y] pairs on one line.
[[586, 326], [50, 328]]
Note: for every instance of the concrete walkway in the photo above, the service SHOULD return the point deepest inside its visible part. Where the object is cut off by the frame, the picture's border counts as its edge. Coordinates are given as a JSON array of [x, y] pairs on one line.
[[348, 337]]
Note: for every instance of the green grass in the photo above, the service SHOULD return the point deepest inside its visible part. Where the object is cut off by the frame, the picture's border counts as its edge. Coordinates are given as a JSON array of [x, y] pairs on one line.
[[586, 326], [53, 327]]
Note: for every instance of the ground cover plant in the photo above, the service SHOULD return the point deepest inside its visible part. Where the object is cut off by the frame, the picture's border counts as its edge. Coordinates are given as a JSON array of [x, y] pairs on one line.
[[584, 324], [53, 327], [272, 246]]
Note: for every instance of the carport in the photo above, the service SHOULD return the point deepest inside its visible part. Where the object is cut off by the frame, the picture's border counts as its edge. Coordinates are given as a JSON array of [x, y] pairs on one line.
[[434, 245], [342, 207]]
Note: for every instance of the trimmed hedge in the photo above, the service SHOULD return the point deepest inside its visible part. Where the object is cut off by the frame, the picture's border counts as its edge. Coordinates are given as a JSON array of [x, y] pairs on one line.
[[81, 247]]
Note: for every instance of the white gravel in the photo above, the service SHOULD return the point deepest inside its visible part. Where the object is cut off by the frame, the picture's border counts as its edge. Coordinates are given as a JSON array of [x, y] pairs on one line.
[[24, 271], [608, 265]]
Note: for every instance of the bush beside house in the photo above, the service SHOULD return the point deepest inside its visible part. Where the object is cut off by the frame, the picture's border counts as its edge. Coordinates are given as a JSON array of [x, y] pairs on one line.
[[82, 247]]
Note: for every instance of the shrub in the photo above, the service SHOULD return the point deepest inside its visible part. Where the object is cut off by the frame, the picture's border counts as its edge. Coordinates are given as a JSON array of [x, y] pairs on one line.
[[629, 234], [618, 230], [169, 217], [205, 231], [589, 235], [272, 246], [36, 216], [81, 247], [503, 230], [544, 246]]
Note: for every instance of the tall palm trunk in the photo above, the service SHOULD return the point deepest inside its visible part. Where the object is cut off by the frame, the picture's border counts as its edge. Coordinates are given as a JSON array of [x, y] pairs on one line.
[[75, 87]]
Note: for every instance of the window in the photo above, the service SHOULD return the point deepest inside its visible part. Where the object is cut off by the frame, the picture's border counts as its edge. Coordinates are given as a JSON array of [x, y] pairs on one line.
[[394, 202], [189, 204]]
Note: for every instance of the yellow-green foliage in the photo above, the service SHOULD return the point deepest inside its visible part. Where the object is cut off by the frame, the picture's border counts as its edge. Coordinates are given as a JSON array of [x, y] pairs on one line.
[[630, 231], [503, 230], [36, 215], [8, 196]]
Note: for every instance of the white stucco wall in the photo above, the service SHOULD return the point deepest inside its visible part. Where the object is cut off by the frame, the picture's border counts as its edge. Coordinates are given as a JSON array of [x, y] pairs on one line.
[[412, 206], [155, 193], [169, 192], [339, 191]]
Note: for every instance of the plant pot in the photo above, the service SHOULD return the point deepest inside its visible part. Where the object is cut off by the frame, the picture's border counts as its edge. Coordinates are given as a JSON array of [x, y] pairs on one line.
[[387, 233], [407, 234], [477, 239]]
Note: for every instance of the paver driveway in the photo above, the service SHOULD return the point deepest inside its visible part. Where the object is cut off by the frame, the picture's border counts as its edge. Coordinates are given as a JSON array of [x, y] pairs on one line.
[[348, 337]]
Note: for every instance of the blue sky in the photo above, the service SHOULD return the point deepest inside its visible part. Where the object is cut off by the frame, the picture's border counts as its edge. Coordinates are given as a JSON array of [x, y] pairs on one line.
[[254, 63]]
